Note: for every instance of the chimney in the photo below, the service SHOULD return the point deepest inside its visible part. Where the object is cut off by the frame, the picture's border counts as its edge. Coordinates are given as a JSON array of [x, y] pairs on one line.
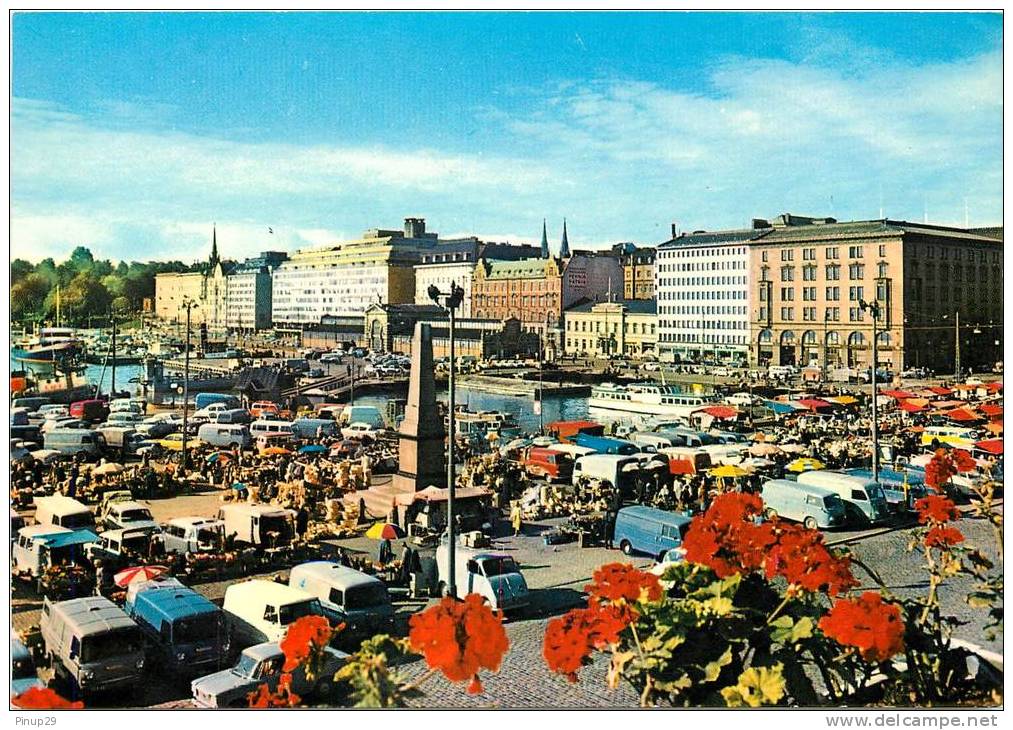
[[414, 227], [675, 230]]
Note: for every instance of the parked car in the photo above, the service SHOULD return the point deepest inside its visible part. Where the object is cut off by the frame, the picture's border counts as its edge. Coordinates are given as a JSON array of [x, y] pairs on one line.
[[38, 547], [23, 674], [262, 408], [495, 576], [261, 525], [192, 534], [262, 664], [129, 516], [360, 431], [93, 410], [174, 442], [63, 511]]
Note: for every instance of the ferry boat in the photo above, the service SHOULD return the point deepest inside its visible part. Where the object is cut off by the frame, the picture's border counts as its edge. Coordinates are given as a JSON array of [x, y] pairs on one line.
[[647, 399], [51, 346], [480, 424]]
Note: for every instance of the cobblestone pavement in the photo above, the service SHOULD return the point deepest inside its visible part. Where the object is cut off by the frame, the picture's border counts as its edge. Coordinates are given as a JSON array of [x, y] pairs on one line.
[[556, 576]]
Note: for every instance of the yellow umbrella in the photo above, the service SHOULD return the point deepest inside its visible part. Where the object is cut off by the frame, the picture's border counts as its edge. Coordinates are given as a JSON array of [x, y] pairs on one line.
[[385, 530], [806, 464], [729, 470], [844, 400]]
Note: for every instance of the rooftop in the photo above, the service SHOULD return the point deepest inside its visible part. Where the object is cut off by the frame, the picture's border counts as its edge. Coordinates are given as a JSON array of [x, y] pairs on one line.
[[633, 306]]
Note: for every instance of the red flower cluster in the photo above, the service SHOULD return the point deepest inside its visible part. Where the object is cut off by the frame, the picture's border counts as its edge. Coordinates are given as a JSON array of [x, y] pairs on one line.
[[459, 638], [935, 509], [801, 558], [964, 461], [283, 697], [43, 699], [726, 539], [868, 623], [621, 581], [943, 537], [570, 639], [305, 639], [940, 468]]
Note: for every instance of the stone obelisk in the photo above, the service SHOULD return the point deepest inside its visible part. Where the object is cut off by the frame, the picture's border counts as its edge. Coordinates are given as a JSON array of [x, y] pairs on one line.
[[421, 461]]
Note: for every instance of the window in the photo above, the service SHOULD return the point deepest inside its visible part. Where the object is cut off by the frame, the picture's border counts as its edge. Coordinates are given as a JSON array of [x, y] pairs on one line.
[[833, 314], [882, 249], [763, 256], [787, 273], [856, 293], [832, 253], [787, 294], [855, 314], [833, 272], [809, 273], [787, 254], [809, 314], [855, 252], [787, 314], [833, 293], [270, 614], [808, 254], [856, 271], [809, 293], [763, 293], [859, 495], [882, 267]]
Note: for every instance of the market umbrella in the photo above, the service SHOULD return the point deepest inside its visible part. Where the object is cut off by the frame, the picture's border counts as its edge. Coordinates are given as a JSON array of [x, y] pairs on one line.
[[312, 449], [385, 531], [963, 414], [906, 405], [764, 450], [805, 464], [991, 409], [274, 451], [844, 400], [138, 574], [793, 448], [992, 446], [107, 468], [218, 456], [730, 471], [757, 463]]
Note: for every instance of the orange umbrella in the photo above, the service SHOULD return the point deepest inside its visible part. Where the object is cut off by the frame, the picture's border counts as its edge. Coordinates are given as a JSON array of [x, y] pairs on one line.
[[274, 451]]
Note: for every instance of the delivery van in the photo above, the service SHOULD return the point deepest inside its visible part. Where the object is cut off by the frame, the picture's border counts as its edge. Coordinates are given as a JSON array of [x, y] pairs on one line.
[[863, 498], [93, 642], [80, 442], [620, 471], [38, 547], [308, 428], [192, 535], [347, 596], [686, 460], [606, 444], [92, 410], [548, 463], [812, 506], [260, 525], [261, 610], [203, 400], [649, 531], [225, 435], [495, 576], [63, 511], [274, 429]]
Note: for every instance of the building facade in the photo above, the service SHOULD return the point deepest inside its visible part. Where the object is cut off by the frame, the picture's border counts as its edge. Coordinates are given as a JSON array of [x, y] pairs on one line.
[[638, 273], [810, 277], [702, 285], [346, 279], [248, 293], [454, 262], [206, 289], [628, 327]]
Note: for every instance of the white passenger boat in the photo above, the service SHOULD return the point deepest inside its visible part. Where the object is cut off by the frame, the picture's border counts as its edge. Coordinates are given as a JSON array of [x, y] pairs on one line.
[[648, 399]]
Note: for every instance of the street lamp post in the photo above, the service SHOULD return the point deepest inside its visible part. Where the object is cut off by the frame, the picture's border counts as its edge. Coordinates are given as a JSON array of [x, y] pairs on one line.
[[452, 300], [188, 305], [826, 333], [874, 308]]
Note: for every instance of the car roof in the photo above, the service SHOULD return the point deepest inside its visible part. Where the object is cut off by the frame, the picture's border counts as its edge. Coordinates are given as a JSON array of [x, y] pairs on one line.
[[270, 591], [257, 509], [260, 652], [127, 505], [801, 487], [639, 510], [326, 569], [174, 604], [93, 615], [193, 521]]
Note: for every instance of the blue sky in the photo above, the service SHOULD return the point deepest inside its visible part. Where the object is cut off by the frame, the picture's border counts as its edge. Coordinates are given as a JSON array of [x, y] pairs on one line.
[[132, 132]]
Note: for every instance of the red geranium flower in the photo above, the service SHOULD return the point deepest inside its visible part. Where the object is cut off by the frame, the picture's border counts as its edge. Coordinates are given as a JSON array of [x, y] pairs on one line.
[[263, 697], [726, 539], [459, 638], [936, 509], [943, 537], [963, 461], [305, 641], [805, 562], [617, 581], [939, 469], [568, 643], [868, 623], [43, 699]]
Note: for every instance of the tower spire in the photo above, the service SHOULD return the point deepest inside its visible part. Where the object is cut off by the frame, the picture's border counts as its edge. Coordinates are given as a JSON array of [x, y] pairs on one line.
[[545, 241], [564, 245], [214, 245]]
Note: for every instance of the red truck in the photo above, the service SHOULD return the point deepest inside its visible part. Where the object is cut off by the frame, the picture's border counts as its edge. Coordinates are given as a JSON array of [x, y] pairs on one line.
[[92, 410], [548, 464]]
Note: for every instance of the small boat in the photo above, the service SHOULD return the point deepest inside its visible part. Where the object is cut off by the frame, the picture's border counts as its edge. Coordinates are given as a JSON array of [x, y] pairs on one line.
[[52, 346], [481, 423]]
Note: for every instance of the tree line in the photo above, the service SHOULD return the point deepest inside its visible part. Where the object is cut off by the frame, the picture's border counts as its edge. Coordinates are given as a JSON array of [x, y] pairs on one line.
[[88, 287]]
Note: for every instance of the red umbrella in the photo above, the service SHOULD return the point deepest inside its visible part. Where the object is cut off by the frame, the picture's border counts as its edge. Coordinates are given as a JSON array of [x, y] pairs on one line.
[[992, 446], [721, 411], [963, 414], [990, 409], [910, 407], [993, 387], [939, 390], [814, 404], [138, 574], [897, 394]]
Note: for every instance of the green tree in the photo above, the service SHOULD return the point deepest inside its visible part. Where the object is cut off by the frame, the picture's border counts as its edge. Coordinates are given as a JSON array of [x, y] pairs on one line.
[[28, 297], [85, 295], [20, 269]]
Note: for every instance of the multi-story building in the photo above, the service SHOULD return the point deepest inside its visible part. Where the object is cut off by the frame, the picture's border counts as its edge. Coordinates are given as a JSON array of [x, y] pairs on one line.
[[536, 291], [702, 286], [205, 288], [628, 327], [454, 262], [248, 292], [638, 272], [346, 278], [810, 277]]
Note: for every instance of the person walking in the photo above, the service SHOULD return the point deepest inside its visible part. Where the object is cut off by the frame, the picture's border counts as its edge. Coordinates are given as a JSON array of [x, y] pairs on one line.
[[515, 518]]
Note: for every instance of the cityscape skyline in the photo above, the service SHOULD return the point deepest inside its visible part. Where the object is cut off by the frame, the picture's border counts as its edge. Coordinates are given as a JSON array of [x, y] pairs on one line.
[[486, 124]]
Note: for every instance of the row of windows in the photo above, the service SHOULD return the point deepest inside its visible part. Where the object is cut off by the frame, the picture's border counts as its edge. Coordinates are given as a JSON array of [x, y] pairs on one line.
[[703, 266], [635, 328], [685, 338], [687, 253], [726, 310], [703, 324], [709, 295], [680, 281], [830, 314]]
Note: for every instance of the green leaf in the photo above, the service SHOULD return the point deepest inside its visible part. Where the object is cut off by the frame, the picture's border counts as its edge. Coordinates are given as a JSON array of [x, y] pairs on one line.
[[713, 669]]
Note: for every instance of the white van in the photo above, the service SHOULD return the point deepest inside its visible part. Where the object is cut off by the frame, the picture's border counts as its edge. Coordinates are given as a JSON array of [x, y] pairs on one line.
[[780, 371], [38, 547], [224, 435], [78, 442], [652, 439], [616, 469], [63, 511], [347, 595], [261, 610], [263, 525], [494, 576], [192, 534], [275, 429], [860, 495], [572, 450]]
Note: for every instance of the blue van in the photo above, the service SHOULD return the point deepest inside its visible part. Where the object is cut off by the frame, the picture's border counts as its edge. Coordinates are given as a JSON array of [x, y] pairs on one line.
[[306, 428], [606, 444], [815, 507], [188, 631], [203, 400], [902, 488], [650, 531]]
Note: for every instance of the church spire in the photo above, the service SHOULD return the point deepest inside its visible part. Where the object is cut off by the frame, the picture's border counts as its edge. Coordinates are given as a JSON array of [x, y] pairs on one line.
[[564, 246], [545, 241], [214, 245]]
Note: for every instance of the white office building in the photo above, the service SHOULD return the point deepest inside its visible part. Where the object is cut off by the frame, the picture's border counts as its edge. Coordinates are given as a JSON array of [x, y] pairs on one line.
[[701, 280]]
